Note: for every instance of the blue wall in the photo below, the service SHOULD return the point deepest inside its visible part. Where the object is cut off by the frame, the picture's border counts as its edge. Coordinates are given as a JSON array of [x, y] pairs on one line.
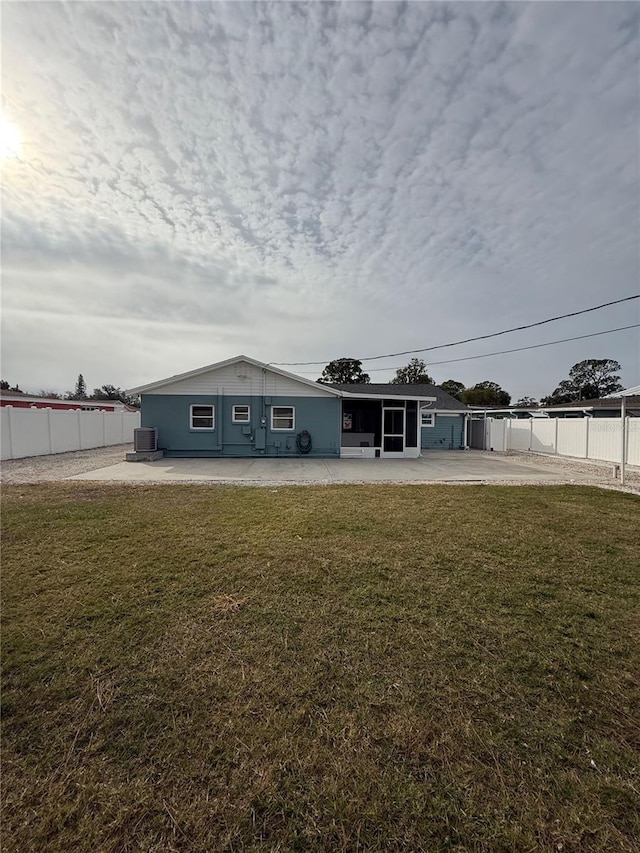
[[446, 434], [170, 414]]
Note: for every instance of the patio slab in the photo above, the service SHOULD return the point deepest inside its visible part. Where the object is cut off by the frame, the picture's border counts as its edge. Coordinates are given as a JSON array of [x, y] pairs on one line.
[[434, 466]]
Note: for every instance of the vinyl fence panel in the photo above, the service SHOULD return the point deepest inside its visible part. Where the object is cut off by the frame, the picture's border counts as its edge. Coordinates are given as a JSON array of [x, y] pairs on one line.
[[39, 432], [605, 439], [65, 432], [519, 435], [572, 436], [633, 441], [581, 438], [543, 435]]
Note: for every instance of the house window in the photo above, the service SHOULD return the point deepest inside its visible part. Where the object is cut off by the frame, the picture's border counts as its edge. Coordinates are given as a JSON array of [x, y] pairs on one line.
[[427, 419], [240, 414], [201, 417], [283, 417]]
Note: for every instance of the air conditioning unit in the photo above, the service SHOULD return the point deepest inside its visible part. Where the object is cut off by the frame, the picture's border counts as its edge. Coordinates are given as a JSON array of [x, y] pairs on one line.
[[145, 439]]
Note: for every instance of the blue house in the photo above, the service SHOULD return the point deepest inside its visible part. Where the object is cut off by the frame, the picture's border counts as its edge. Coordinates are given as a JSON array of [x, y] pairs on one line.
[[245, 408]]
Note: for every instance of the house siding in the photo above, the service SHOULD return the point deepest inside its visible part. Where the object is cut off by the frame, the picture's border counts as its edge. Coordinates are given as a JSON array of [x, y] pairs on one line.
[[446, 434], [243, 379], [169, 413]]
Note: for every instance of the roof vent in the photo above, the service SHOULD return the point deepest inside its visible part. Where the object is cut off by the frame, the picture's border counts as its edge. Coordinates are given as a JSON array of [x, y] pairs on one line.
[[145, 439]]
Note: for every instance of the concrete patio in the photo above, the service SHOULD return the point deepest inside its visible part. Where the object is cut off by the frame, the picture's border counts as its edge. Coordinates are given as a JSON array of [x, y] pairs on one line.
[[434, 466]]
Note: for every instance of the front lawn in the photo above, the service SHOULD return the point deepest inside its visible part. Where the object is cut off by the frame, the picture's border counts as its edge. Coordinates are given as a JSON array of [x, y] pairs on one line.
[[201, 669]]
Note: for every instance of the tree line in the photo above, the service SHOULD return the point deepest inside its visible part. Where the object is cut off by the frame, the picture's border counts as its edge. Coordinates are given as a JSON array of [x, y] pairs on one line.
[[588, 380], [80, 392]]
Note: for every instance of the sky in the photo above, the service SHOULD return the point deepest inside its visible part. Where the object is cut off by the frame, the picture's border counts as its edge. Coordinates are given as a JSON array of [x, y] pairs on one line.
[[307, 181]]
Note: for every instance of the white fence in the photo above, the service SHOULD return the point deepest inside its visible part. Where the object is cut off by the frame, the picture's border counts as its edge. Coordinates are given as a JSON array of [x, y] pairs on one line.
[[584, 438], [38, 432]]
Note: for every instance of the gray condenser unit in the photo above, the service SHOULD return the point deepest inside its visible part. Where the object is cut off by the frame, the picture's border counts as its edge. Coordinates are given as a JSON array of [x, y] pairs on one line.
[[145, 439]]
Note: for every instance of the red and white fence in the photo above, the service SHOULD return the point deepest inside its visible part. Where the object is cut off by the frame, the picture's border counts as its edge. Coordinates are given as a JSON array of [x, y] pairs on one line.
[[39, 432], [582, 438]]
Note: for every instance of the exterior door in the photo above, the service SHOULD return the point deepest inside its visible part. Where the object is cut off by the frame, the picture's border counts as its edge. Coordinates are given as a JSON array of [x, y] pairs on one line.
[[393, 432]]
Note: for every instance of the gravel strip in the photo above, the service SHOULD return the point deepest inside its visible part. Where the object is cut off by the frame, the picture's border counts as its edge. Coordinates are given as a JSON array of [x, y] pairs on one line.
[[602, 471], [39, 469]]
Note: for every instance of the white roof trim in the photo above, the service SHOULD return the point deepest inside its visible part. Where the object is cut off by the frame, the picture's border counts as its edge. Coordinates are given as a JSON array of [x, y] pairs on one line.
[[191, 373], [400, 397], [630, 392]]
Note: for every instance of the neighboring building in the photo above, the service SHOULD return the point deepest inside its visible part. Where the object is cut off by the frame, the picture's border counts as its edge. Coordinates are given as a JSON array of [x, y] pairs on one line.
[[244, 408], [25, 401], [605, 407]]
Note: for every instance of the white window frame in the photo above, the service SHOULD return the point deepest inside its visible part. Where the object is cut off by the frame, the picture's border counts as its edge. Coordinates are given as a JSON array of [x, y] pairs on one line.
[[202, 406], [234, 415], [275, 417], [431, 415]]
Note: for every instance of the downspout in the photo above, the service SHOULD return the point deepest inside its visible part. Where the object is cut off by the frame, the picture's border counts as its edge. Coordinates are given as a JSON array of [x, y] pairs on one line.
[[263, 409], [221, 410]]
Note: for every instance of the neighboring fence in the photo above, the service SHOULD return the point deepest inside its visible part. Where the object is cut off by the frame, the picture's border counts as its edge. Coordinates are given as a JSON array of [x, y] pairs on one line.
[[584, 438], [38, 432]]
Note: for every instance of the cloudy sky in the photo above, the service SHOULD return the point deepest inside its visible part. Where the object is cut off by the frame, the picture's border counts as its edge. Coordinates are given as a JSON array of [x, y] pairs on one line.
[[304, 181]]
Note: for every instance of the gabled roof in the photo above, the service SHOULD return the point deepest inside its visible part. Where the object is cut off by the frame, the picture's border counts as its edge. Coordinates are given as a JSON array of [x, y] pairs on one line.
[[141, 389], [373, 389]]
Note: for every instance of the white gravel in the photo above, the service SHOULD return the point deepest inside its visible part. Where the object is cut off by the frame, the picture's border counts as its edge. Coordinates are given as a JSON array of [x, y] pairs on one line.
[[39, 469]]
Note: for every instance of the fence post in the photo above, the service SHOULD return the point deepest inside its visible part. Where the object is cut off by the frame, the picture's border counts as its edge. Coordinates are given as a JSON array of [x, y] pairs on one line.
[[623, 454], [555, 441], [9, 427], [530, 433], [586, 439], [104, 428], [49, 435], [79, 421]]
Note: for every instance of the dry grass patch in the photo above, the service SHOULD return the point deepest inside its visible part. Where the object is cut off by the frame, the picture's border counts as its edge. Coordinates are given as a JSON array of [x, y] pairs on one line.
[[343, 668]]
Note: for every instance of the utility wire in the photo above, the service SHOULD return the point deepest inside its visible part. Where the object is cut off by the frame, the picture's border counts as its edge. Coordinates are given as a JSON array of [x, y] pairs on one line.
[[470, 340], [518, 349]]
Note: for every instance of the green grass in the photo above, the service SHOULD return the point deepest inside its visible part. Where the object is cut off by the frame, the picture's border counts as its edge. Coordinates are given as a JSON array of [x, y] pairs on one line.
[[327, 669]]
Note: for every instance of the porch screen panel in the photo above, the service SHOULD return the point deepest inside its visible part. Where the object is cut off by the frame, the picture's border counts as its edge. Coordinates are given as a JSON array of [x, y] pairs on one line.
[[412, 423], [394, 422]]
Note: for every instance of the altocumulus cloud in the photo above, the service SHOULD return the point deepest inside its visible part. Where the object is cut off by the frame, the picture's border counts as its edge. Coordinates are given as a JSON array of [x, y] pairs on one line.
[[312, 180]]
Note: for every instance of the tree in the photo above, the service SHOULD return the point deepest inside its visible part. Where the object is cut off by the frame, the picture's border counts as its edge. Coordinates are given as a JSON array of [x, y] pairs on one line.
[[80, 392], [526, 403], [452, 388], [110, 392], [4, 385], [588, 380], [344, 371], [52, 395], [415, 373], [485, 394], [107, 392]]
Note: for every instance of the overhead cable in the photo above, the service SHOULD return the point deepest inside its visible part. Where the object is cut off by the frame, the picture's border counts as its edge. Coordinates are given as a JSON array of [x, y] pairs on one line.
[[517, 349], [470, 340]]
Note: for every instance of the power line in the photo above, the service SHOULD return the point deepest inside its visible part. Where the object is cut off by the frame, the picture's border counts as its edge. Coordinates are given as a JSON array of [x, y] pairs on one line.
[[519, 349], [470, 340]]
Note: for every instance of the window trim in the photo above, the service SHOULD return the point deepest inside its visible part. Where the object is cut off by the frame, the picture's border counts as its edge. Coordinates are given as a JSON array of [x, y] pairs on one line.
[[202, 406], [278, 417], [234, 417], [432, 415]]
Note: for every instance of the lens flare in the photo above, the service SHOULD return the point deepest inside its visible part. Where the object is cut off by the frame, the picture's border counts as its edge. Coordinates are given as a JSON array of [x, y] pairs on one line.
[[10, 138]]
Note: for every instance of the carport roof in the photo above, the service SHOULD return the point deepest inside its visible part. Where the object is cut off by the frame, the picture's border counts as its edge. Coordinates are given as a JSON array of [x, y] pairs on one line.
[[408, 392]]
